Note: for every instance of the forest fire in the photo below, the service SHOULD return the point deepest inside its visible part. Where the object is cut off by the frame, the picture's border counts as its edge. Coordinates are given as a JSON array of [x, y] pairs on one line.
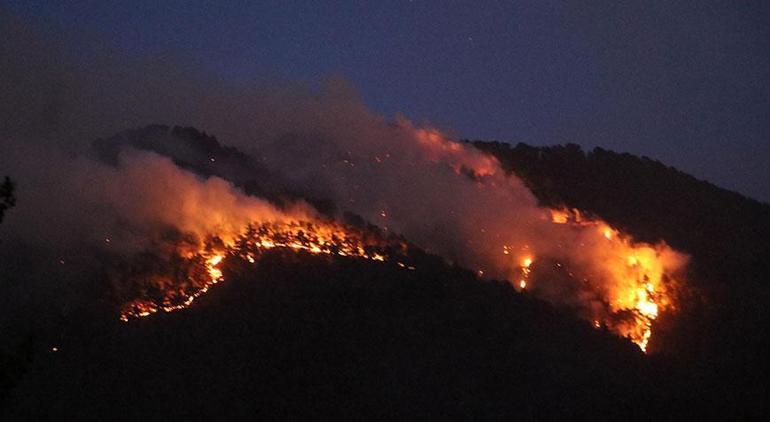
[[640, 285], [318, 238], [469, 208], [579, 261]]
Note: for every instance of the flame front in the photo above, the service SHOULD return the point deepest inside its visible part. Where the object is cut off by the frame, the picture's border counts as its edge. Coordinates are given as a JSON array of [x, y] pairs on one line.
[[318, 238], [638, 282]]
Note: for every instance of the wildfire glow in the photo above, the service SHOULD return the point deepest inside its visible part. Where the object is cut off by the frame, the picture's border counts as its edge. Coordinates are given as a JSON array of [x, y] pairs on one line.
[[565, 256], [639, 282], [606, 276], [319, 238], [526, 270], [212, 267]]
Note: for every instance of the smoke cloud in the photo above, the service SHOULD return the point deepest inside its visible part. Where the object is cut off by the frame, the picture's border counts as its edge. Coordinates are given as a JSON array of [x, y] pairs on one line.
[[409, 179]]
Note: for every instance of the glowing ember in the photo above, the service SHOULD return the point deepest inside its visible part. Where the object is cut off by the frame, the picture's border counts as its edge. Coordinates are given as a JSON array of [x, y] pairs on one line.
[[322, 238], [559, 216], [526, 270]]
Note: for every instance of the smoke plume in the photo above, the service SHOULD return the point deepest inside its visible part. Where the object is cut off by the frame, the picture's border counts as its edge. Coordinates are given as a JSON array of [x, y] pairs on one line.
[[410, 179]]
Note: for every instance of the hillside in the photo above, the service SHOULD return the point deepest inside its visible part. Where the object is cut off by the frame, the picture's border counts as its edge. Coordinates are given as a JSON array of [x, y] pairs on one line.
[[304, 336], [724, 327]]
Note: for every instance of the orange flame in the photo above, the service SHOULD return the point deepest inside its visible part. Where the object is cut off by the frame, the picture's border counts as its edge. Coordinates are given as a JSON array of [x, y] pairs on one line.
[[640, 277], [318, 238]]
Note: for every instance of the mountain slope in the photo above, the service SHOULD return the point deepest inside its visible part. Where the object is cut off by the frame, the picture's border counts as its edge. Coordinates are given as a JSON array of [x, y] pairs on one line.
[[722, 332], [306, 336]]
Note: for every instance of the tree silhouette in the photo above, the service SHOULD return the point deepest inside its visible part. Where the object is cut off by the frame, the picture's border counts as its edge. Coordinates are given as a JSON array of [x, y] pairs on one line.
[[7, 200]]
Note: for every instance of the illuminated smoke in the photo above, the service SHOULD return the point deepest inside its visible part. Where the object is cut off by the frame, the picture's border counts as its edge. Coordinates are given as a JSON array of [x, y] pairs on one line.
[[410, 179], [458, 202]]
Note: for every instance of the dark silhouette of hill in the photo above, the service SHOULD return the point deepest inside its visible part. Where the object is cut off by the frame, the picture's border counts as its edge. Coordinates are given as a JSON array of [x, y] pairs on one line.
[[303, 336], [721, 334]]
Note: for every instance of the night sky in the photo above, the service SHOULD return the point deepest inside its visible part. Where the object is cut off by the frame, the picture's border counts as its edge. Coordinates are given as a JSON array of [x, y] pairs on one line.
[[685, 83]]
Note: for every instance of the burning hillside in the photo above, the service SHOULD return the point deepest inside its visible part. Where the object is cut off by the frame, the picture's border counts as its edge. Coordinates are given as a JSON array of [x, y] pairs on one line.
[[638, 278], [201, 268], [299, 157], [319, 254], [583, 264]]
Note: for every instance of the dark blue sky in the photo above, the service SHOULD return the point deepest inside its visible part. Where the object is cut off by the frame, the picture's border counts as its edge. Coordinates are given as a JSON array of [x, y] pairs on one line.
[[686, 83]]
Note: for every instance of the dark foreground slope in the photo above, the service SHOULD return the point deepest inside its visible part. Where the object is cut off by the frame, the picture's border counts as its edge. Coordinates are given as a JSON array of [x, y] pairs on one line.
[[307, 336], [721, 336]]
